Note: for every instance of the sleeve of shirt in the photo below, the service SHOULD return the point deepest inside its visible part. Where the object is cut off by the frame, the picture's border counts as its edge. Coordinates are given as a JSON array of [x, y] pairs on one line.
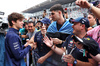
[[90, 32], [16, 48], [65, 43], [27, 34], [35, 32], [21, 30]]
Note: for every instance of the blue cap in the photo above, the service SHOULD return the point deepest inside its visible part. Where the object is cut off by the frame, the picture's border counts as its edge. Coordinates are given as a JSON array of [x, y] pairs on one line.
[[82, 20], [46, 21]]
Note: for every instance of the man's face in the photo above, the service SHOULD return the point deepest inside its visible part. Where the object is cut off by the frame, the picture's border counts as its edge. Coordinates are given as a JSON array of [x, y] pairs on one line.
[[18, 24], [77, 28], [55, 15], [38, 25], [91, 19], [31, 28], [46, 26]]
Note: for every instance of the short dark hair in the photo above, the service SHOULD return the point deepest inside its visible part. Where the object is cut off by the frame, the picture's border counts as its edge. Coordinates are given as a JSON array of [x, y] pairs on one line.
[[92, 14], [57, 7], [25, 23], [14, 17], [32, 22]]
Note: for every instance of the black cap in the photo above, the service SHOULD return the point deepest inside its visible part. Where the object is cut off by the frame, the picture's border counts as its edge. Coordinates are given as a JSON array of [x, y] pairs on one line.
[[89, 44]]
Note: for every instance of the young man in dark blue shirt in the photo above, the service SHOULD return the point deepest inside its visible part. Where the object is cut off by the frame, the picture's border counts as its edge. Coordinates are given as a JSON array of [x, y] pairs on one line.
[[75, 56], [14, 50]]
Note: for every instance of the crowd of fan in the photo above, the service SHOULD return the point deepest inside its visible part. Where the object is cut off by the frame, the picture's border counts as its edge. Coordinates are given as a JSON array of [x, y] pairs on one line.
[[54, 41]]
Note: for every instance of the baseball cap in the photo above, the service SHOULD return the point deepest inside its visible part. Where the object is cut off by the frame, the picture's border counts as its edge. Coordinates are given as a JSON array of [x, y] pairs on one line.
[[86, 41], [89, 44], [82, 20], [38, 22], [46, 21]]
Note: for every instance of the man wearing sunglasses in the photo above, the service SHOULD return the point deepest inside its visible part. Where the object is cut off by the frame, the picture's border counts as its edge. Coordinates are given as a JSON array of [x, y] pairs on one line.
[[75, 56]]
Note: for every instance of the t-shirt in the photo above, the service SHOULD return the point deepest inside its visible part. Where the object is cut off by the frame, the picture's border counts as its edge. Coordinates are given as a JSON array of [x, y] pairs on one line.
[[42, 47], [30, 34], [77, 53], [23, 31], [61, 32]]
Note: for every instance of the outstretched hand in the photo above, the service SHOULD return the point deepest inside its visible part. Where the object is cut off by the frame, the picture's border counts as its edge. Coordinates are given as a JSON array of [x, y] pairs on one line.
[[48, 42]]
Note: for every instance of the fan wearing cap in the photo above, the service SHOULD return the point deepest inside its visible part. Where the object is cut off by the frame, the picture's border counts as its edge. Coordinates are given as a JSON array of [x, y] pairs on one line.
[[75, 55], [42, 48], [38, 25]]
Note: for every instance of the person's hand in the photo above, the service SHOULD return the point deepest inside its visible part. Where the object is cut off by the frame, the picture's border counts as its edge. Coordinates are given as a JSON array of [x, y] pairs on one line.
[[83, 3], [32, 46], [48, 42], [30, 42], [57, 41], [41, 59], [69, 59], [25, 45]]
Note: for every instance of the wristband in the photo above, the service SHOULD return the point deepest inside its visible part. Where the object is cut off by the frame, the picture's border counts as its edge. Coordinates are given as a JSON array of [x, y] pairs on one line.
[[90, 7], [53, 46]]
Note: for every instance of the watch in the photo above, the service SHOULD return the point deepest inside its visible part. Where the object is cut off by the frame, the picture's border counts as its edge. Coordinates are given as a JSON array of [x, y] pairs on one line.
[[75, 61]]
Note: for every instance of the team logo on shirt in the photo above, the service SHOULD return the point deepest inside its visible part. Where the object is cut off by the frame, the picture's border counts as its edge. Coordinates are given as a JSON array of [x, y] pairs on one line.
[[81, 50], [71, 41], [70, 45], [38, 37]]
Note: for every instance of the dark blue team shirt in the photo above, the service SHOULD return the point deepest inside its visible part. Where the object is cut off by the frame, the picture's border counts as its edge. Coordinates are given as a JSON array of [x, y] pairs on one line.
[[14, 49], [77, 53], [42, 48]]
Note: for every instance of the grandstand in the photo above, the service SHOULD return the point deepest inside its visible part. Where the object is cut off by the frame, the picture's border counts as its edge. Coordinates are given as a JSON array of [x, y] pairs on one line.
[[46, 5]]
